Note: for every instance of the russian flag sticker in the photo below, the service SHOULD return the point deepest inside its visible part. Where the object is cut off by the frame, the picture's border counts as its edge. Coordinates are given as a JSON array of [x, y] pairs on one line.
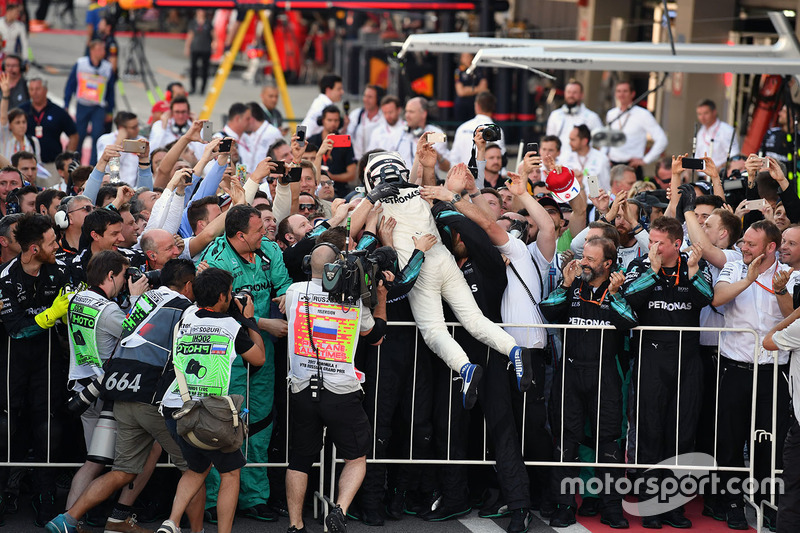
[[325, 330]]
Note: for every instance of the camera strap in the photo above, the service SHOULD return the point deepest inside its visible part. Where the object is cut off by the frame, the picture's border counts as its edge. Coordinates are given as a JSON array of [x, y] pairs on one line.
[[530, 295], [311, 334]]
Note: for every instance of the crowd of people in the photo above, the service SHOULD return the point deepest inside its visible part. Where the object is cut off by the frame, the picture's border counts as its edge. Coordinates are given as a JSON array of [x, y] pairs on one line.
[[191, 263]]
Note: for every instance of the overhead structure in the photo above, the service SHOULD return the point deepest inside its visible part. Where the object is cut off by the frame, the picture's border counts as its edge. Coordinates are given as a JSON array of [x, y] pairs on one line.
[[782, 57]]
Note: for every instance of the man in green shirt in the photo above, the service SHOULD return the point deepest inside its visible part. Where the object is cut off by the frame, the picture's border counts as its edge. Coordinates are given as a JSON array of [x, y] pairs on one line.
[[257, 266]]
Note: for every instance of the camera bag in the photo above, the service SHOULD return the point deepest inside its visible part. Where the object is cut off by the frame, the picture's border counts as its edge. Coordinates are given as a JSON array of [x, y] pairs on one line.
[[210, 423]]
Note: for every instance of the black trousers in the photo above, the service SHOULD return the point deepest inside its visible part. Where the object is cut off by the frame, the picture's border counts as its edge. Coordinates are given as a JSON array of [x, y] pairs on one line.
[[656, 401], [198, 66], [391, 397], [37, 394], [735, 404], [580, 401], [789, 508]]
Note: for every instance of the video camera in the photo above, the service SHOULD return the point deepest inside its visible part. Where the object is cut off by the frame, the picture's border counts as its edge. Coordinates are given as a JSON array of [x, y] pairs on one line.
[[355, 276]]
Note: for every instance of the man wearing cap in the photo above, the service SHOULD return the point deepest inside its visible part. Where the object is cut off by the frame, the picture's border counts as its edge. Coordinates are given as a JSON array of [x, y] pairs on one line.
[[572, 114], [585, 160], [715, 139], [637, 123]]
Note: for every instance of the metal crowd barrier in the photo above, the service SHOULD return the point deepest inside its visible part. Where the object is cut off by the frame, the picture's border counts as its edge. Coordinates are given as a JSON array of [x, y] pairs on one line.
[[322, 498]]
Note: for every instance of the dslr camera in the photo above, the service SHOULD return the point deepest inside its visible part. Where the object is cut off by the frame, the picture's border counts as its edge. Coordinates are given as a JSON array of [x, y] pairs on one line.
[[83, 399], [491, 133], [153, 276], [355, 276]]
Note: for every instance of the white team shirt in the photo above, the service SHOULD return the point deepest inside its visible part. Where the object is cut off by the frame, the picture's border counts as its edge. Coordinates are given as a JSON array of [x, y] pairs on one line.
[[408, 144], [594, 163], [637, 124], [714, 317], [360, 129], [516, 306], [314, 112], [715, 142], [754, 308], [386, 137], [258, 143], [562, 120]]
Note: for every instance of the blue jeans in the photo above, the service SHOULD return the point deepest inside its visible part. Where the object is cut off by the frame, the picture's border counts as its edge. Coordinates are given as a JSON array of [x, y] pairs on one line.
[[94, 115]]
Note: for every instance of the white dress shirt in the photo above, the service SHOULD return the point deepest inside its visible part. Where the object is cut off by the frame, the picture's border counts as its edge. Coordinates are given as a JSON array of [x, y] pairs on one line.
[[754, 308], [594, 163], [562, 120], [314, 112], [360, 129], [386, 137], [254, 146], [715, 141], [461, 150], [409, 141], [714, 317], [161, 137], [128, 162], [637, 124]]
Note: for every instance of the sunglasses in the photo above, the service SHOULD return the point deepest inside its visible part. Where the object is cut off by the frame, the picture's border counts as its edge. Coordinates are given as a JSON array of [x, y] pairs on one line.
[[306, 207], [87, 208], [326, 183]]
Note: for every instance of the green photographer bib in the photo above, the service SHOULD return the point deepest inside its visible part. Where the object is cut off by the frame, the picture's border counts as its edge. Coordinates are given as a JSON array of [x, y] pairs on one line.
[[82, 319]]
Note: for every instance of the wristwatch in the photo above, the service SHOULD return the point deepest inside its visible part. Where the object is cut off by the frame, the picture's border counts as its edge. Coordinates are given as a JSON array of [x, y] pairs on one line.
[[456, 198], [782, 291]]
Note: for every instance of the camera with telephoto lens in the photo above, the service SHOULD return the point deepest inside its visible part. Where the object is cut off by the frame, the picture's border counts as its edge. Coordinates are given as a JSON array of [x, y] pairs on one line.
[[735, 186], [83, 399], [355, 276], [153, 276], [491, 133]]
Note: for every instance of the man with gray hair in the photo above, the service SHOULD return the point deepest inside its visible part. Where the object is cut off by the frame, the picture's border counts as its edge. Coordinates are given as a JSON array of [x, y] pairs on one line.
[[75, 209], [46, 122], [269, 98], [416, 115], [159, 247]]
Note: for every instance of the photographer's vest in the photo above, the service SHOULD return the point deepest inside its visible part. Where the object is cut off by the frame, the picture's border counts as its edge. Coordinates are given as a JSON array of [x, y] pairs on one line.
[[204, 351], [92, 81], [334, 330], [82, 318], [135, 371]]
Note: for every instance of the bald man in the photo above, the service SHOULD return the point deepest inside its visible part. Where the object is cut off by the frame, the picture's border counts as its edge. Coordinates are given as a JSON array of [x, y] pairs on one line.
[[416, 115], [159, 247]]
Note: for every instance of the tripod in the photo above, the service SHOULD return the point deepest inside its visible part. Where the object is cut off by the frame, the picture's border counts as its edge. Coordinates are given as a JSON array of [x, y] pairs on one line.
[[137, 66]]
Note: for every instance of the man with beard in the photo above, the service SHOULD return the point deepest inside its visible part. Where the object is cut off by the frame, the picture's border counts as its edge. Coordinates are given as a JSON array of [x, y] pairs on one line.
[[625, 216], [572, 114], [33, 298], [589, 295]]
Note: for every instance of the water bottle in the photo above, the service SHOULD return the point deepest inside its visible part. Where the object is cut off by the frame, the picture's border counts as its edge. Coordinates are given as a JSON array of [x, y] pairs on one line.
[[113, 169]]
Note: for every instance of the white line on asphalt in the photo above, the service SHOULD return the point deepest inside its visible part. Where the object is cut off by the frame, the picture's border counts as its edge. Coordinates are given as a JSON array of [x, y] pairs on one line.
[[480, 525]]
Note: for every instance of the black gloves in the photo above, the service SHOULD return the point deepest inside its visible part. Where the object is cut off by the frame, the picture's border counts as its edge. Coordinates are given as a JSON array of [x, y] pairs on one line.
[[381, 191]]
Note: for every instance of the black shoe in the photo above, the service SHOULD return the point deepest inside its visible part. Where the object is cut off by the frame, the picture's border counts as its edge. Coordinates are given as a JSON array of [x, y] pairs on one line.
[[369, 515], [734, 514], [590, 506], [293, 529], [612, 517], [260, 512], [520, 521], [676, 519], [563, 517], [421, 503], [279, 506], [210, 515], [336, 522], [493, 505], [547, 509], [44, 505], [446, 512], [396, 504], [714, 509], [771, 518], [11, 502], [651, 522]]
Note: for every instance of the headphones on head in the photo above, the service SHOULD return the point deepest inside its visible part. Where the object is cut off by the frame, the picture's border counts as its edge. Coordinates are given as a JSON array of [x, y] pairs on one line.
[[306, 264], [61, 217], [331, 109], [416, 132]]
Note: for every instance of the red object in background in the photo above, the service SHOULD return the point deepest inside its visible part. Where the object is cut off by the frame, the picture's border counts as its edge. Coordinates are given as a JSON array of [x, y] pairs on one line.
[[220, 23], [767, 105]]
